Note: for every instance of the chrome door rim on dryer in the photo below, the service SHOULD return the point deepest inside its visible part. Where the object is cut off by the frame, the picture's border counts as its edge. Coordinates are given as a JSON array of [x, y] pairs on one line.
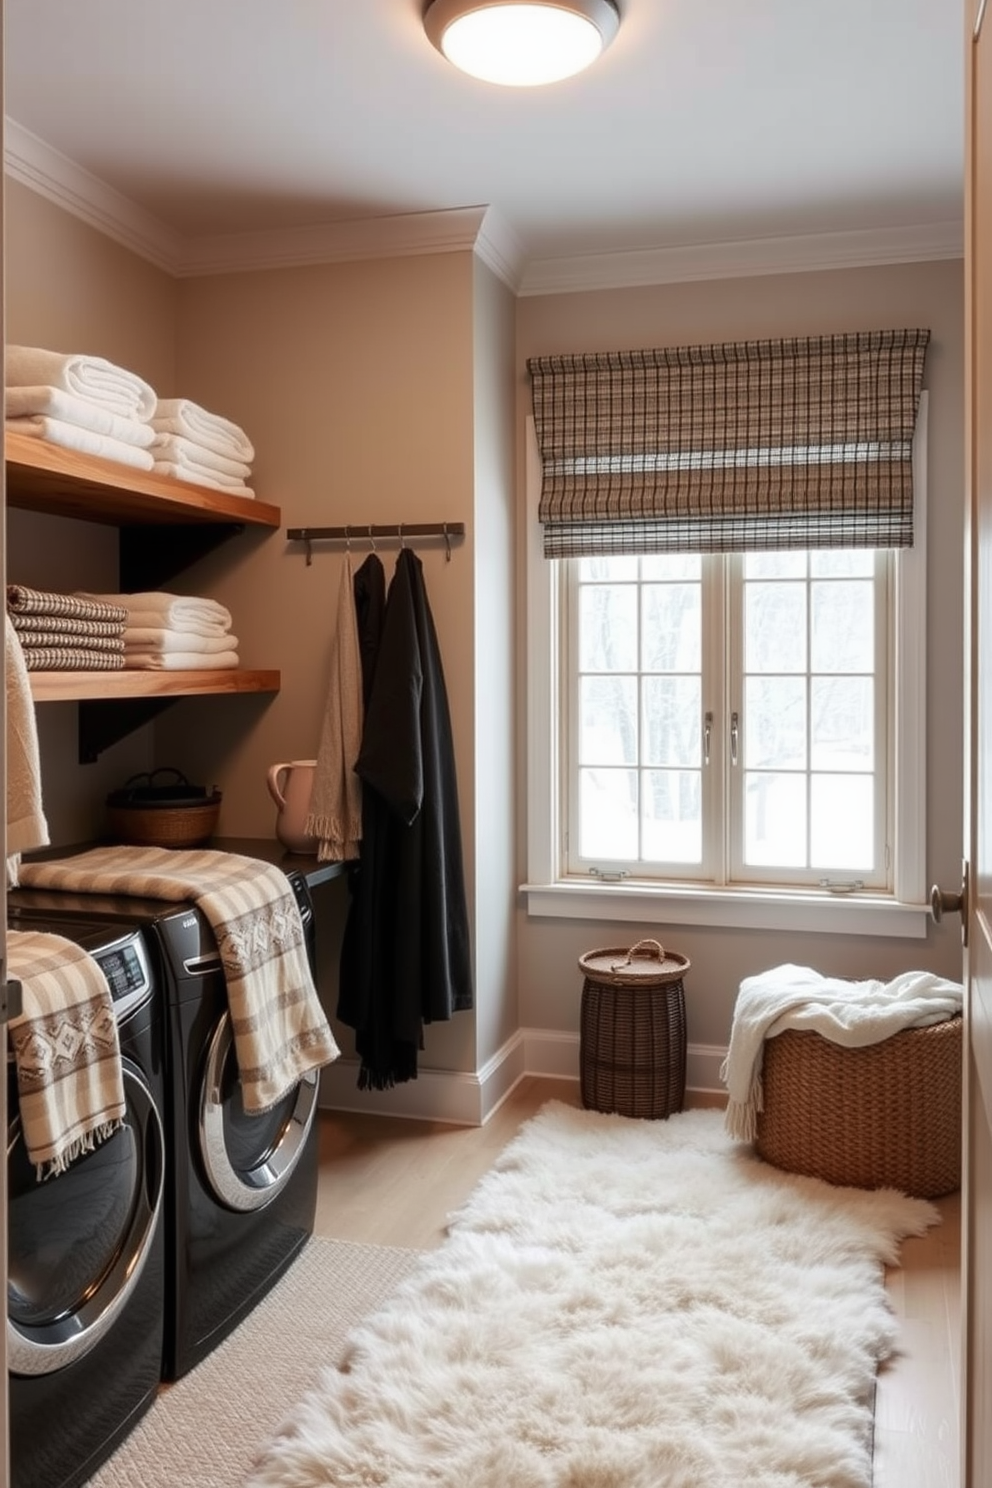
[[251, 1188]]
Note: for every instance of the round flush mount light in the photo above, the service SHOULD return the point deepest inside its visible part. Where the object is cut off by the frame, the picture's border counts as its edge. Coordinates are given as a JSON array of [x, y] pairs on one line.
[[521, 43]]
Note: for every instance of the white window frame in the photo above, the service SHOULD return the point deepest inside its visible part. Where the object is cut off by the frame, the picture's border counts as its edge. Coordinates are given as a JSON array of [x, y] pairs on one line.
[[548, 893]]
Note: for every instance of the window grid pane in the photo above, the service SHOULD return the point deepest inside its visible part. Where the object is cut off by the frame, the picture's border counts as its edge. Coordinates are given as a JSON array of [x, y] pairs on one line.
[[638, 691], [652, 790]]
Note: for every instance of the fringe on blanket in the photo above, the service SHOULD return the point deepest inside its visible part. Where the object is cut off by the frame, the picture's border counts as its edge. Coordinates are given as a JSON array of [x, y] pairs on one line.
[[741, 1117], [88, 1142], [331, 833]]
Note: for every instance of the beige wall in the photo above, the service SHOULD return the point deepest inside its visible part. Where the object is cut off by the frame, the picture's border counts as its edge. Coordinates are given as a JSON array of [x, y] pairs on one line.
[[495, 629], [928, 295], [355, 384], [71, 289]]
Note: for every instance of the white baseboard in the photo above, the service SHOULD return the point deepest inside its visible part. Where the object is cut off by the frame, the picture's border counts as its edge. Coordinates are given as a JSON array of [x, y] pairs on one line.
[[462, 1099]]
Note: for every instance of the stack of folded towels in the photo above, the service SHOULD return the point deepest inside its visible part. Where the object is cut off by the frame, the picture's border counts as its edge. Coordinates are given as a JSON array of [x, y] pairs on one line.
[[83, 403], [174, 632], [67, 632], [204, 448]]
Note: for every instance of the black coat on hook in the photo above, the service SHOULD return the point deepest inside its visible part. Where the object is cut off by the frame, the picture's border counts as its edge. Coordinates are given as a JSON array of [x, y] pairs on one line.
[[405, 958]]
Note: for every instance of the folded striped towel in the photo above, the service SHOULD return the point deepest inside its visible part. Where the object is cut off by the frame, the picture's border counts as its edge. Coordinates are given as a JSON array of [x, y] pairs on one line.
[[163, 611], [152, 638], [198, 457], [214, 480], [21, 600], [89, 377], [57, 404], [181, 661], [66, 1050], [83, 441], [72, 659], [210, 430], [65, 626], [280, 1029], [42, 636]]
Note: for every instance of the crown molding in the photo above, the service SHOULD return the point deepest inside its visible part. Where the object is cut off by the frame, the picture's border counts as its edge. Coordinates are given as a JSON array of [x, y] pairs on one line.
[[743, 258], [54, 176], [463, 229], [480, 230]]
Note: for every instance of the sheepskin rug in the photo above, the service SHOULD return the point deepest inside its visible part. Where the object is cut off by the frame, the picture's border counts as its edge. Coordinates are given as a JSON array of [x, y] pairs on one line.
[[619, 1304]]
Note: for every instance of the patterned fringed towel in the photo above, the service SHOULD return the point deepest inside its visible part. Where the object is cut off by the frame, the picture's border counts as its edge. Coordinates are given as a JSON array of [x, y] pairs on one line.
[[69, 1080], [280, 1030]]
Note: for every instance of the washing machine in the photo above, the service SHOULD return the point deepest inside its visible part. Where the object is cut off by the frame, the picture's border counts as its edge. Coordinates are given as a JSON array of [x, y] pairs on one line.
[[242, 1190], [86, 1250]]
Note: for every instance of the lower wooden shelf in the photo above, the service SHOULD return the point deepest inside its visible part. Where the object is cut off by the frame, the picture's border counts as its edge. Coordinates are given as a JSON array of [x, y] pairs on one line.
[[69, 687]]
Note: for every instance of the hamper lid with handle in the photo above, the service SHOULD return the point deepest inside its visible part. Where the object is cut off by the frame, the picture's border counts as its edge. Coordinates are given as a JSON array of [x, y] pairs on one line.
[[646, 964]]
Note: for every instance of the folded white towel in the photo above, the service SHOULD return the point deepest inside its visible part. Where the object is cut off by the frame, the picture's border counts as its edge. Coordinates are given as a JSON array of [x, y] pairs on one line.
[[850, 1013], [85, 441], [160, 610], [90, 377], [198, 457], [153, 638], [181, 661], [212, 479], [23, 401], [212, 430]]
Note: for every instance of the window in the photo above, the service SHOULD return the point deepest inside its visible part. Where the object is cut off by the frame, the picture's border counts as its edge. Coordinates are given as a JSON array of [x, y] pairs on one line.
[[726, 633], [727, 718]]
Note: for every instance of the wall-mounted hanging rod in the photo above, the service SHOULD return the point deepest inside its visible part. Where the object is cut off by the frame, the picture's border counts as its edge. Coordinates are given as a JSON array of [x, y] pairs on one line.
[[369, 531]]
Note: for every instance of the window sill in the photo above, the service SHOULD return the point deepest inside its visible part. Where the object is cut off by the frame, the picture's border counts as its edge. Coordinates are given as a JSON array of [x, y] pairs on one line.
[[741, 909]]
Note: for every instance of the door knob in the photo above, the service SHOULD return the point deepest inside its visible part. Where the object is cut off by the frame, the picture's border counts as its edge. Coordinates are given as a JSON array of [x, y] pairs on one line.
[[942, 903]]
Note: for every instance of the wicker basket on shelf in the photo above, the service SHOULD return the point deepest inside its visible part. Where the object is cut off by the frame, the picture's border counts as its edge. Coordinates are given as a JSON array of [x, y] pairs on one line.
[[884, 1116], [632, 1038]]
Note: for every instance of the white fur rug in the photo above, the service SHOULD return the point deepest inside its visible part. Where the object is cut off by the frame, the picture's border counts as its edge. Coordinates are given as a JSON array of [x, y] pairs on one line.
[[620, 1304]]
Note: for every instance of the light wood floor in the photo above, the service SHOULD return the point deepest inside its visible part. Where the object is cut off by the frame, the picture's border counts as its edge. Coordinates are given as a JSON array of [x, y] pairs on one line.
[[386, 1181]]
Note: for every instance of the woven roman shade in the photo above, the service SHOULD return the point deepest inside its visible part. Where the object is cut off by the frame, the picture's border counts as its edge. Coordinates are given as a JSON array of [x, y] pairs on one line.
[[800, 443]]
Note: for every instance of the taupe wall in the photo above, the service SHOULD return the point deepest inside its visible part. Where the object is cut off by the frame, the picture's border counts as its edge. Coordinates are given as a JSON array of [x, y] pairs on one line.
[[356, 383], [799, 304], [71, 289], [495, 632]]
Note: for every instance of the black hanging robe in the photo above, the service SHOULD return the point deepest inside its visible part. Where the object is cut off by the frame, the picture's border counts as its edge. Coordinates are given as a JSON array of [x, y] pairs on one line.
[[405, 958]]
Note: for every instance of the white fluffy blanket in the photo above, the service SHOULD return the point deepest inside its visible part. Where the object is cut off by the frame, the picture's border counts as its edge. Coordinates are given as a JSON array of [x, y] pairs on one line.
[[620, 1304], [850, 1013]]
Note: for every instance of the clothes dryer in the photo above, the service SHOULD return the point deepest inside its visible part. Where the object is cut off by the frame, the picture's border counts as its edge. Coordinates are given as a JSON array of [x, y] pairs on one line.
[[242, 1192], [86, 1251]]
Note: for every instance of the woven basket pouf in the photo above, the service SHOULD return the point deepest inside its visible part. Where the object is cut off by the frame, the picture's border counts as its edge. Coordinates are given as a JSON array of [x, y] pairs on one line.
[[632, 1032], [884, 1116]]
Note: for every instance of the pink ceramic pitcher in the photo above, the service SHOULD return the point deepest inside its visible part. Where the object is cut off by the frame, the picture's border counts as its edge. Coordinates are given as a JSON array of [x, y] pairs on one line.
[[290, 785]]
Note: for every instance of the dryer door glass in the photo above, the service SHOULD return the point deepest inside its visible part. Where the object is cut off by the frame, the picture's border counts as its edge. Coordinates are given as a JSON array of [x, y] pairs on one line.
[[78, 1242], [249, 1157]]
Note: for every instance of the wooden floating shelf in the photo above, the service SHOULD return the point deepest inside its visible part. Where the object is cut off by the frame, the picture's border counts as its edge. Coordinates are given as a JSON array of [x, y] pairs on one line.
[[46, 478], [69, 687]]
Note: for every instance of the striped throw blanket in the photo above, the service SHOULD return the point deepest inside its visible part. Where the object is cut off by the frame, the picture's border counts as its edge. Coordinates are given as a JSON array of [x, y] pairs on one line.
[[69, 1080], [279, 1027]]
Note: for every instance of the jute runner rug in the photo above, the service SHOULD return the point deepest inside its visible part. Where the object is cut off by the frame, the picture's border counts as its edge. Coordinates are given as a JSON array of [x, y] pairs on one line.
[[205, 1430]]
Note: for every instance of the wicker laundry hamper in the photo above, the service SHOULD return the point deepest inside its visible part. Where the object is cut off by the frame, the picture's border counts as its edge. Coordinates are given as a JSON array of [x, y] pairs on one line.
[[884, 1116], [632, 1035]]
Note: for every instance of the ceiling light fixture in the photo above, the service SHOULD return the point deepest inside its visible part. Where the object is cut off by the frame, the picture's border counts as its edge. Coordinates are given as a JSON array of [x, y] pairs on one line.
[[521, 43]]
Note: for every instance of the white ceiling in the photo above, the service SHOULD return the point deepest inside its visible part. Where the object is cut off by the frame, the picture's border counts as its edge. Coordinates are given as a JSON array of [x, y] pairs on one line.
[[706, 121]]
